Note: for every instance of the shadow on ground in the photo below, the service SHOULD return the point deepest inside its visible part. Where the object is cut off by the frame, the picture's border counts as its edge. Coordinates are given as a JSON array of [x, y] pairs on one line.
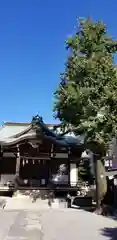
[[110, 233]]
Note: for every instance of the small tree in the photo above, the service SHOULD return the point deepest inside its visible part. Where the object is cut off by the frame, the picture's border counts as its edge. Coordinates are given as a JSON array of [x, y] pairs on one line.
[[84, 172], [86, 99]]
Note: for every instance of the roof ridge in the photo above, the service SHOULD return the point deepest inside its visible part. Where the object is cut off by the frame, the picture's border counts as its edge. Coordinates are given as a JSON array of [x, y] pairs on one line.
[[26, 124], [16, 124]]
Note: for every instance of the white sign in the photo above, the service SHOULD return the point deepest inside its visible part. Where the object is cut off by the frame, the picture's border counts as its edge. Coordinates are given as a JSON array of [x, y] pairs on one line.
[[115, 182], [73, 174]]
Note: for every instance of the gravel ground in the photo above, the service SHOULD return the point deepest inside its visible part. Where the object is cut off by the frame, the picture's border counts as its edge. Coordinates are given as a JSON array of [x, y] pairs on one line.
[[55, 224]]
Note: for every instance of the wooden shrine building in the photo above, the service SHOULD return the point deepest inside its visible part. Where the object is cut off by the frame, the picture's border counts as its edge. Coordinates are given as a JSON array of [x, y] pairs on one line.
[[33, 155]]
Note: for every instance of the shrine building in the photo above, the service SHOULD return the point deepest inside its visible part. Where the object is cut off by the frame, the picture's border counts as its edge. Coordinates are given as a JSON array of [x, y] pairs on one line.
[[33, 155]]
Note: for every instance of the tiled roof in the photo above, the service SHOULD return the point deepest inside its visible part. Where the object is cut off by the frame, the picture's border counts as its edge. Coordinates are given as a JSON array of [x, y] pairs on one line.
[[12, 132], [10, 129]]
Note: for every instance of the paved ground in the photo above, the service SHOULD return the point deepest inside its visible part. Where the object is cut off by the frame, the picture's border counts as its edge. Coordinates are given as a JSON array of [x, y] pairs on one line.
[[55, 224]]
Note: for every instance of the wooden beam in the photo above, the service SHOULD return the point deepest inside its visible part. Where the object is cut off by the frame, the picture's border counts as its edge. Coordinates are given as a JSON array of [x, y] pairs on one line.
[[35, 158]]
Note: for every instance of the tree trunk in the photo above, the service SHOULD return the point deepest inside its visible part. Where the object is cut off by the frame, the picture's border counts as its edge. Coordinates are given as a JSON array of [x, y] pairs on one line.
[[98, 202], [101, 184]]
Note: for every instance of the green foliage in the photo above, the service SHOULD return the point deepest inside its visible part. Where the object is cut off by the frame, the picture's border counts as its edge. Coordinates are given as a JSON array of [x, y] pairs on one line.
[[86, 99]]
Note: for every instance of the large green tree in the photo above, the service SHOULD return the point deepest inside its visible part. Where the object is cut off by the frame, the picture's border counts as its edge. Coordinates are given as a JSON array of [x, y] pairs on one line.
[[86, 98]]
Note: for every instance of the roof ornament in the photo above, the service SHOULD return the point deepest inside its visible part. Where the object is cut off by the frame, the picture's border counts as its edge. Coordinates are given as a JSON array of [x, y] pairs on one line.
[[37, 120]]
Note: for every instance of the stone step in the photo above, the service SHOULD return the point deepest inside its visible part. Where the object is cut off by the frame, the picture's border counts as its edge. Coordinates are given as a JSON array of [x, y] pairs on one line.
[[43, 194], [27, 203]]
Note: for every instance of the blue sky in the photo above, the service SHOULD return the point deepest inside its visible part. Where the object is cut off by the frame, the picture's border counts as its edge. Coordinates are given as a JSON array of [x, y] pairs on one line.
[[32, 51]]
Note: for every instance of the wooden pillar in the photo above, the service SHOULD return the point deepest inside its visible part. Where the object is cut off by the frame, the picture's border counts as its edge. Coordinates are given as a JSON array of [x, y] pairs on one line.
[[69, 152], [18, 161], [1, 156], [50, 163], [52, 151]]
